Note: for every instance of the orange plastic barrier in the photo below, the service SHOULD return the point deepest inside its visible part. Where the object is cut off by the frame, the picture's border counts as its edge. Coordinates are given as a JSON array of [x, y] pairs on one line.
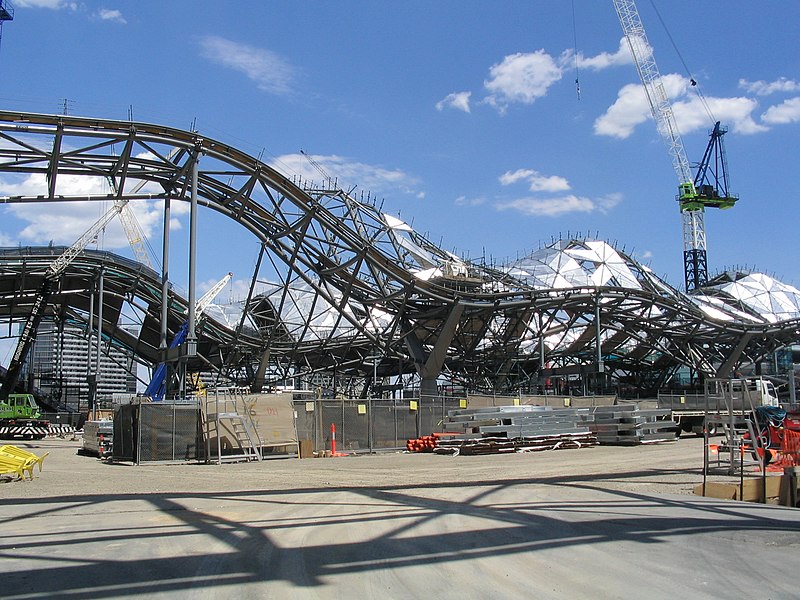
[[789, 453]]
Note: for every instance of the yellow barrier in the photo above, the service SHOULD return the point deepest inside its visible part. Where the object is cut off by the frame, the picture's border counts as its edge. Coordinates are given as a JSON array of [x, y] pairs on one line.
[[17, 466], [20, 453], [18, 461]]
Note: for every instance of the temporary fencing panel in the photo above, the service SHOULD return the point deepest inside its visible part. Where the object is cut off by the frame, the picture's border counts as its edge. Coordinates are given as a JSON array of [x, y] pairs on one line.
[[362, 425], [158, 431]]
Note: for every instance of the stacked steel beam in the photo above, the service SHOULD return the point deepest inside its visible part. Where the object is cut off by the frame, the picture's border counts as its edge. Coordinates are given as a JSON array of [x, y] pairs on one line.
[[627, 424], [98, 438], [506, 429]]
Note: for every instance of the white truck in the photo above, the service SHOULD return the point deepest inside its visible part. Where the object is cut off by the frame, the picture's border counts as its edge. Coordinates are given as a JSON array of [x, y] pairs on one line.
[[689, 410]]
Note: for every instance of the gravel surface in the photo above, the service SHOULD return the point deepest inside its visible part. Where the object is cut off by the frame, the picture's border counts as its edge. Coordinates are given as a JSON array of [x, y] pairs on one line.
[[601, 522], [674, 468]]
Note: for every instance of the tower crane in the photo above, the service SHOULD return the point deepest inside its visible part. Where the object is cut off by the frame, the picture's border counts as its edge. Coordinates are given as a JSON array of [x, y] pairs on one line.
[[695, 193], [28, 335]]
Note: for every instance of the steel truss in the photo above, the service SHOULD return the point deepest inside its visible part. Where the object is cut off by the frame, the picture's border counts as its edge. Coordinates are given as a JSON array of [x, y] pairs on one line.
[[347, 285]]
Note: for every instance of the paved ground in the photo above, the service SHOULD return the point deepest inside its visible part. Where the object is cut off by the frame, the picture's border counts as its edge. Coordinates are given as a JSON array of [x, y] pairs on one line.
[[604, 522]]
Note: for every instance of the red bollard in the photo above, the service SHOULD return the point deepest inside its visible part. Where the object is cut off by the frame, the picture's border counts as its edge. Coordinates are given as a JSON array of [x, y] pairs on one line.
[[333, 439]]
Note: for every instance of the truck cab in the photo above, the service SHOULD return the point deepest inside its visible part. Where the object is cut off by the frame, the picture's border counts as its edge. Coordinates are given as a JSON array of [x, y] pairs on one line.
[[20, 417], [754, 391], [19, 406]]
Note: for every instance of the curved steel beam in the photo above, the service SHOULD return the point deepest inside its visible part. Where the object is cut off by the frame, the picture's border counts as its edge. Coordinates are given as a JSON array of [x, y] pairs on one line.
[[345, 276]]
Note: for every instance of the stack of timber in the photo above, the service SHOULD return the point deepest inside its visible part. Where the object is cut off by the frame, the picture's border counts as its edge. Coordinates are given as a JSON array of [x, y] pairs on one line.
[[508, 429], [629, 425]]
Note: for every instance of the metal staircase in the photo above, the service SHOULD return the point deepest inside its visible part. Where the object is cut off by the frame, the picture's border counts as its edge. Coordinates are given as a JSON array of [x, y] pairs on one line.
[[227, 418], [731, 410]]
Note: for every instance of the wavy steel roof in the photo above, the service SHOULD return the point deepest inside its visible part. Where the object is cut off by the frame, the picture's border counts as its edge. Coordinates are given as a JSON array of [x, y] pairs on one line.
[[347, 279]]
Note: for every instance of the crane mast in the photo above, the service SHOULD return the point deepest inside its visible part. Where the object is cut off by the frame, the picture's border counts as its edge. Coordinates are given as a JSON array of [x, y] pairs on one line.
[[692, 207]]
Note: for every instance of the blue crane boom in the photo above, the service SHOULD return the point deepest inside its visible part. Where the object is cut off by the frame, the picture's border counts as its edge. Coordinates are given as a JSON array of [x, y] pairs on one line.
[[157, 388]]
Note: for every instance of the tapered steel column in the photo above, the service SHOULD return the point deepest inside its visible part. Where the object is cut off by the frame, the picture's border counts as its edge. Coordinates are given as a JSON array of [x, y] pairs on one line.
[[191, 338], [163, 344], [99, 343]]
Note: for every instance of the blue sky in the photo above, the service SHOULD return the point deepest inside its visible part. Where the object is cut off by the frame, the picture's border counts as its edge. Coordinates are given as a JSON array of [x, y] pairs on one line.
[[463, 116]]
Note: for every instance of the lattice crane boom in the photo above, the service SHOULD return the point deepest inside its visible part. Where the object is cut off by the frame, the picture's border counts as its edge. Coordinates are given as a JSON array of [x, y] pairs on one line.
[[695, 260], [135, 237], [128, 219]]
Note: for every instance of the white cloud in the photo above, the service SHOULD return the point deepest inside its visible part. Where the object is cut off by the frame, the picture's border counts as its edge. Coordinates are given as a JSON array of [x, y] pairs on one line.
[[267, 69], [72, 185], [6, 240], [632, 108], [51, 4], [106, 14], [629, 110], [521, 78], [464, 201], [65, 222], [457, 100], [553, 206], [737, 113], [348, 173], [607, 202], [764, 88], [536, 181], [605, 60], [558, 206], [781, 114]]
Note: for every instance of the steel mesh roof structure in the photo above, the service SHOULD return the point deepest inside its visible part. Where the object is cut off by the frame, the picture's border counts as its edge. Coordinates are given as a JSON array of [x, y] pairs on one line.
[[339, 282], [749, 296]]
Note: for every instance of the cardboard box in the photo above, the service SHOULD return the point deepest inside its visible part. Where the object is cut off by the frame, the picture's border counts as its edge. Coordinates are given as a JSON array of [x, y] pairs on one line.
[[306, 449]]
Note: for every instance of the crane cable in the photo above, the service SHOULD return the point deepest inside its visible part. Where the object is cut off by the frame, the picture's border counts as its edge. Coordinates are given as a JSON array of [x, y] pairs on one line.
[[692, 80], [575, 51]]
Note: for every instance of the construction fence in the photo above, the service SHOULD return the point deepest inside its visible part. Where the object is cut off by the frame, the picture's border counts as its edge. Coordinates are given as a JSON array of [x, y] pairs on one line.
[[366, 425]]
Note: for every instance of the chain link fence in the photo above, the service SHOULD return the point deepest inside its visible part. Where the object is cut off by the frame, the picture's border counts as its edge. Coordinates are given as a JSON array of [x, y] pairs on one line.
[[158, 432], [366, 425], [369, 424]]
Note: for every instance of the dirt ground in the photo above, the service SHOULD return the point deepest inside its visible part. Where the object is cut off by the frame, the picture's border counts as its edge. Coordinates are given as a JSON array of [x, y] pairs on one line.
[[673, 467], [600, 522], [669, 468]]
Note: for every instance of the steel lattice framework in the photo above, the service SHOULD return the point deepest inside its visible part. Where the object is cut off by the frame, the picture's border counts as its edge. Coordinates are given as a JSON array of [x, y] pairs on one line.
[[348, 282]]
